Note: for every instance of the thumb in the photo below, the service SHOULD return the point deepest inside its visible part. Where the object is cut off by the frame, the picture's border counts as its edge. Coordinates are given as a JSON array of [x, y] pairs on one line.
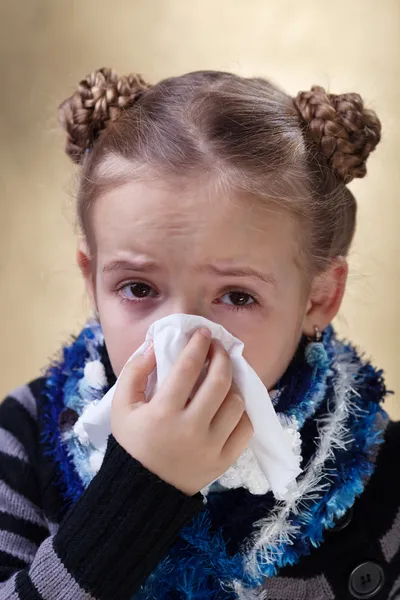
[[132, 382]]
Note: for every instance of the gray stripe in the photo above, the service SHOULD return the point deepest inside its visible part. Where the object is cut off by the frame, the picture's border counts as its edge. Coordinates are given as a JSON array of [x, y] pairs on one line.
[[24, 396], [284, 588], [18, 546], [60, 584], [318, 588], [11, 446], [395, 590], [52, 527], [290, 588], [390, 542], [7, 589], [17, 505]]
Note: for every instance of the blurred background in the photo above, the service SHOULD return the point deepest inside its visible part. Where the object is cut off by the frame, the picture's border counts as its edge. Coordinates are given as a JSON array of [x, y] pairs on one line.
[[47, 46]]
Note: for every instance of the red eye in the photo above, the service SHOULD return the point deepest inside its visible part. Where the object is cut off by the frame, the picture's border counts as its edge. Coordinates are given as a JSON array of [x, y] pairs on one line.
[[135, 291], [237, 300]]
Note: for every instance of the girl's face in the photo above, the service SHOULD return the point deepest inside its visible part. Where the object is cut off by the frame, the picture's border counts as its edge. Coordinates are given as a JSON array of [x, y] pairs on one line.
[[161, 251]]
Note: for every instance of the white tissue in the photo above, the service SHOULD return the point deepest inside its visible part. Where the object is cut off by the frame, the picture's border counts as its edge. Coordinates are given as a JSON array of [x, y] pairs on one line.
[[272, 458]]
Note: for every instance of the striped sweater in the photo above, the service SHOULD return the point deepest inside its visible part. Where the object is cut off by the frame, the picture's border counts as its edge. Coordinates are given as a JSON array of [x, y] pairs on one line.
[[106, 544]]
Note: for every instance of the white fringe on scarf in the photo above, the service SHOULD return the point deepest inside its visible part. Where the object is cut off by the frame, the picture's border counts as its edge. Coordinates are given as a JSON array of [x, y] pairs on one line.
[[277, 529]]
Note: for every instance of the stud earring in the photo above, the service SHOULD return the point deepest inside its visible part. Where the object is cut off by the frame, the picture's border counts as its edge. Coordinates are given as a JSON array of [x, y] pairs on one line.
[[317, 334], [315, 353]]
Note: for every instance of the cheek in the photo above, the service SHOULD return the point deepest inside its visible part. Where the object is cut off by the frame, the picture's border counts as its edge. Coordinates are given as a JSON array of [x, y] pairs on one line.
[[272, 361], [125, 326], [270, 349], [122, 335], [121, 343]]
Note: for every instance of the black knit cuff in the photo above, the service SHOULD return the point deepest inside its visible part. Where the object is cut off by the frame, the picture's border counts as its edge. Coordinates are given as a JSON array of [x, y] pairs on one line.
[[122, 526]]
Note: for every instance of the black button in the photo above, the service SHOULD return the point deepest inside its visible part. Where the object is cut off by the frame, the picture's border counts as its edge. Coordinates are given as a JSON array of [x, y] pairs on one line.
[[343, 521], [366, 580]]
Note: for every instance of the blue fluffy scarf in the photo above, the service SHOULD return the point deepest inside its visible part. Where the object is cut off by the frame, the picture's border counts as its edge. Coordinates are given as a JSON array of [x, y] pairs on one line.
[[240, 540]]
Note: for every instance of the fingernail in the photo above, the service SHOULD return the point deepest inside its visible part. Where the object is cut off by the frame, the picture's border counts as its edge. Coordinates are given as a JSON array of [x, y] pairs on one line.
[[206, 332], [149, 348]]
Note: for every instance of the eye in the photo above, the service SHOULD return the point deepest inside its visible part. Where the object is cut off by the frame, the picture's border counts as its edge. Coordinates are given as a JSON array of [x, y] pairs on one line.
[[135, 291], [237, 300]]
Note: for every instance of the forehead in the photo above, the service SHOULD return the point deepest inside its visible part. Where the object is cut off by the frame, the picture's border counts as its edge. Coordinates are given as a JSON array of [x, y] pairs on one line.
[[191, 218]]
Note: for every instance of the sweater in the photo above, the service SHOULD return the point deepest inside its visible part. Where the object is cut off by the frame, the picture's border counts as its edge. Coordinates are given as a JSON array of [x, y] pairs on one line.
[[106, 544]]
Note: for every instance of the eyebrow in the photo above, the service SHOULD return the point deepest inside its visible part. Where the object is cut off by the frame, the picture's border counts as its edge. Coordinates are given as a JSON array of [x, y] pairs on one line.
[[133, 265], [149, 266], [241, 272]]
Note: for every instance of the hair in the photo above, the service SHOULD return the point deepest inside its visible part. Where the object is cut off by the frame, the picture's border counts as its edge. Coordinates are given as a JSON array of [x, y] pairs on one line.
[[247, 134]]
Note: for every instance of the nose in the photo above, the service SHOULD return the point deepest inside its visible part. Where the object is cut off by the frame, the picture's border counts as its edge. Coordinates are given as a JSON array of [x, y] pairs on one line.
[[186, 306]]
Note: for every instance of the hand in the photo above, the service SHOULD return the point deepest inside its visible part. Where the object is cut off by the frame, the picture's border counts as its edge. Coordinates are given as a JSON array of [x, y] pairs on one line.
[[186, 443]]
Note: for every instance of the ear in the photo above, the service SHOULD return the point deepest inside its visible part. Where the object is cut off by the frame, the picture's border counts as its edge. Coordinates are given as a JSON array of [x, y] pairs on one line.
[[325, 296], [86, 265]]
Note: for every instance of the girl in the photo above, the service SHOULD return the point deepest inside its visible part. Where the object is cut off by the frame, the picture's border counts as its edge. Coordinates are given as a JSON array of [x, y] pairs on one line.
[[215, 195]]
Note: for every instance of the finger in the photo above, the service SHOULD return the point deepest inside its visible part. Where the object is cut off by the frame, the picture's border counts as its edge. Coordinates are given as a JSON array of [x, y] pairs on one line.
[[132, 383], [183, 376], [227, 417], [238, 440], [215, 386]]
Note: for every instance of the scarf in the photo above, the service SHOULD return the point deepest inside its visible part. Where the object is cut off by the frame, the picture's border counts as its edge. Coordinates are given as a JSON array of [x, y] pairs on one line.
[[231, 548]]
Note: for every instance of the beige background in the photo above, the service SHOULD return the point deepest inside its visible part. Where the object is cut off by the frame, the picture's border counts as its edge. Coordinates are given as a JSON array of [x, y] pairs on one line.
[[47, 46]]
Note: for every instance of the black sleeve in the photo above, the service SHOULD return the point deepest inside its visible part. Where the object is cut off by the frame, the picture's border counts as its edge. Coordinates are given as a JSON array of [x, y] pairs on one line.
[[122, 526], [109, 541]]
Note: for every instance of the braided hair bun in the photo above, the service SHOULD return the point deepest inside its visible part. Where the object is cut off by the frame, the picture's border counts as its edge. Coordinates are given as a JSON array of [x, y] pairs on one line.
[[342, 128], [101, 97]]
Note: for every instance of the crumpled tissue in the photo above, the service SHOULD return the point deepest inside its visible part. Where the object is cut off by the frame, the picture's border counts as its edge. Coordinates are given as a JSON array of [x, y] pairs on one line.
[[272, 459]]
